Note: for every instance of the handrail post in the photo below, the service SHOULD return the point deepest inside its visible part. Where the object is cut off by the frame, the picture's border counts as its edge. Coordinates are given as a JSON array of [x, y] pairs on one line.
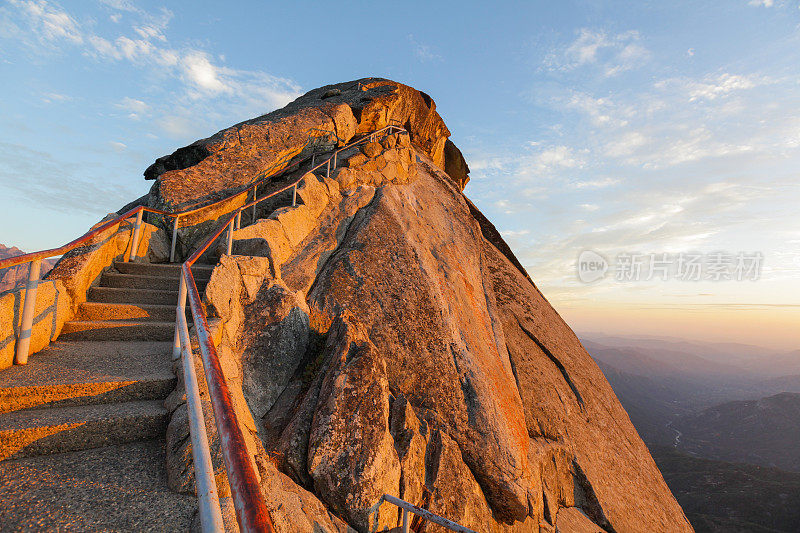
[[180, 310], [174, 240], [294, 195], [328, 170], [313, 160], [405, 520], [255, 192], [230, 236], [335, 154], [28, 310], [135, 239], [239, 220], [205, 485]]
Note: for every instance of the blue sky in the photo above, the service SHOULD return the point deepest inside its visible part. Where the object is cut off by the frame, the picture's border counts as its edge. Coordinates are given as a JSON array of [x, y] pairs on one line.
[[638, 127]]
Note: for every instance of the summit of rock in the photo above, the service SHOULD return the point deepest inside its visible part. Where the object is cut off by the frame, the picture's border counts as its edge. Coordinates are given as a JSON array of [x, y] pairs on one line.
[[231, 159]]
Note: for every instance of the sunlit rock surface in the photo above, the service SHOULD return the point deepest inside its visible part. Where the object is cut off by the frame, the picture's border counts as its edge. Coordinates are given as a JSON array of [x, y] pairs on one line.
[[380, 337]]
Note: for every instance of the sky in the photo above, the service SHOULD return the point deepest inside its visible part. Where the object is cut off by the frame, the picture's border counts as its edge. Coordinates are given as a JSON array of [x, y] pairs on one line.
[[627, 129]]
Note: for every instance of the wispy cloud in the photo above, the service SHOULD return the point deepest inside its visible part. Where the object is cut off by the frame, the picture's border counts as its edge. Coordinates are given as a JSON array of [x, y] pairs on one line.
[[423, 52], [713, 86], [44, 26], [49, 98], [31, 175], [612, 53]]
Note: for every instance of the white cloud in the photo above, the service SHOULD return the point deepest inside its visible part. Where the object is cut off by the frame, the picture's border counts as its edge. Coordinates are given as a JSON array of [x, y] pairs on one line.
[[135, 108], [626, 144], [118, 146], [764, 3], [49, 98], [612, 53], [553, 158], [713, 86], [510, 234], [239, 93], [51, 22], [595, 184], [121, 5], [202, 74], [133, 105], [722, 85], [601, 111]]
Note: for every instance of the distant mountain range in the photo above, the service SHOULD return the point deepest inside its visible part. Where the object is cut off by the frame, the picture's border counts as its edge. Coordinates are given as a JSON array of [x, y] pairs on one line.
[[744, 359], [722, 422], [11, 278], [764, 432]]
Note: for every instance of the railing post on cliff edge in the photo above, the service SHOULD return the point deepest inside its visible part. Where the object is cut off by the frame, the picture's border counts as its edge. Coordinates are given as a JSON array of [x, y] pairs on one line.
[[255, 192], [229, 243], [135, 239], [179, 310], [28, 310], [174, 240]]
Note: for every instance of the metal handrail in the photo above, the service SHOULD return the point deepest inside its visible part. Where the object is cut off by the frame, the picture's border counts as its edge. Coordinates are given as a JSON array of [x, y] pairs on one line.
[[251, 511], [205, 484], [248, 501], [419, 511]]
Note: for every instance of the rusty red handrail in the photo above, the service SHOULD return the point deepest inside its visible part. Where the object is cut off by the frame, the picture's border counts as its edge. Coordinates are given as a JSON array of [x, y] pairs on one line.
[[248, 501], [251, 511]]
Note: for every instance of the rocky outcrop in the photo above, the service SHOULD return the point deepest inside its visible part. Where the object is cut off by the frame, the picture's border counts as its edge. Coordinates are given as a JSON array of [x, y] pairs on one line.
[[230, 160], [383, 339]]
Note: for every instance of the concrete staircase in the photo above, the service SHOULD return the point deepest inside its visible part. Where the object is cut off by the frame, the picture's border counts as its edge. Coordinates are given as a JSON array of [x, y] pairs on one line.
[[82, 425]]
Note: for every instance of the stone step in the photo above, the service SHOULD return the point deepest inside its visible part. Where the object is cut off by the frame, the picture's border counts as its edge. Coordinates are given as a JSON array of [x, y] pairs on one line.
[[120, 311], [85, 373], [114, 488], [134, 281], [167, 270], [117, 330], [32, 432], [133, 296]]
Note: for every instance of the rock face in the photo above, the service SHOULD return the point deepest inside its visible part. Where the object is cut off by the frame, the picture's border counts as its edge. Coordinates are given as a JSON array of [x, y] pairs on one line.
[[233, 158], [381, 338]]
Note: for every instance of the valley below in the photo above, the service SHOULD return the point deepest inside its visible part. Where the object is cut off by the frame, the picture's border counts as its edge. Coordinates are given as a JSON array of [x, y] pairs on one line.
[[721, 421]]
